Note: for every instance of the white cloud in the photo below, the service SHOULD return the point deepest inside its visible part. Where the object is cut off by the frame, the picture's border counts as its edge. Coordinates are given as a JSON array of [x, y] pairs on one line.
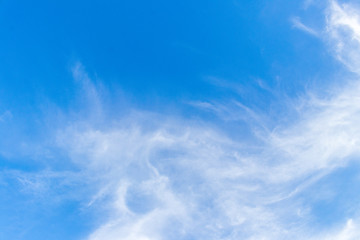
[[206, 184], [349, 231], [343, 26]]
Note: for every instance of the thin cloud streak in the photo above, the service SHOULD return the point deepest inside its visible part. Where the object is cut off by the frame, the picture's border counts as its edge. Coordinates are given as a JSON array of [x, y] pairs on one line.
[[301, 26]]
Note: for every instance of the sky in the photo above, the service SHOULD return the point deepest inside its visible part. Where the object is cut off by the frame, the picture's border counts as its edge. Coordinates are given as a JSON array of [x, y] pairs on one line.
[[180, 120]]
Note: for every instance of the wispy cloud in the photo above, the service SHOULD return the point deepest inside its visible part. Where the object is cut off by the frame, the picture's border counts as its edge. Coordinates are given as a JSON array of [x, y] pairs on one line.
[[343, 26], [301, 26]]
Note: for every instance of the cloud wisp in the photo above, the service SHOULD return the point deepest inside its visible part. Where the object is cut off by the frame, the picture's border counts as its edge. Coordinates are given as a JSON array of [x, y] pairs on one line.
[[343, 27], [301, 26]]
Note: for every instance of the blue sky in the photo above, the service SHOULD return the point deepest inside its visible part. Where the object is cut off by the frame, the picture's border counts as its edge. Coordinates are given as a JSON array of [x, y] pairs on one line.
[[179, 120]]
